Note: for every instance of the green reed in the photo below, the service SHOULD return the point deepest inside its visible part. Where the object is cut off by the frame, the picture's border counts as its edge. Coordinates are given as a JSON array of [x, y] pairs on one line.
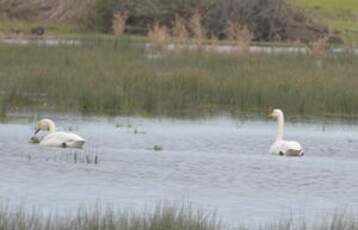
[[122, 77]]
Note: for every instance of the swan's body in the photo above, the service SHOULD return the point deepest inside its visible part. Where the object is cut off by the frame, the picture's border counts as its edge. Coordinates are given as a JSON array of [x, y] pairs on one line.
[[280, 146], [58, 139], [286, 148]]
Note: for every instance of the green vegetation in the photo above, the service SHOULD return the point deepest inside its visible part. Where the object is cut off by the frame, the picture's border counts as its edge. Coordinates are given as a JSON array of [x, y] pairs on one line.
[[337, 14], [213, 16], [122, 77], [61, 17], [9, 26], [2, 108], [332, 6]]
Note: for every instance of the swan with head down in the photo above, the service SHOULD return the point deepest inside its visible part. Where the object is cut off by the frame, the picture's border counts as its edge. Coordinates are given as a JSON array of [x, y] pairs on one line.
[[280, 146], [57, 139]]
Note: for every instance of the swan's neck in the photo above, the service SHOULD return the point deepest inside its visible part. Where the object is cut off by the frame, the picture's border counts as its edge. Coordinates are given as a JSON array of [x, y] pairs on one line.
[[51, 126], [281, 123]]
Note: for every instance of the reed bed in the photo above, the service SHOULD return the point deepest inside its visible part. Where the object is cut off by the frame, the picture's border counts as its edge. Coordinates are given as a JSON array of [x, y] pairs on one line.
[[118, 76]]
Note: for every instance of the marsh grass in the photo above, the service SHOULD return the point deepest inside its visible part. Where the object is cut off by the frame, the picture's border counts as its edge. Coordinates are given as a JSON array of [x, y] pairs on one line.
[[2, 108], [162, 217], [86, 158], [115, 76]]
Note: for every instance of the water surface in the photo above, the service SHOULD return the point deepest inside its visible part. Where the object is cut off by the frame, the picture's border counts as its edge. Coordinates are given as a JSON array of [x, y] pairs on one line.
[[217, 164]]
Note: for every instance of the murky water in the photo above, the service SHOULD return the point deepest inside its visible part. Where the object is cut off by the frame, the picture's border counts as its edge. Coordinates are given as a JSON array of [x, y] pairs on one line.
[[217, 164]]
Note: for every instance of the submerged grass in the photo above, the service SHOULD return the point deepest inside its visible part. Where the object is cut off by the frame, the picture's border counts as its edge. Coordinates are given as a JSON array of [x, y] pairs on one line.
[[120, 77]]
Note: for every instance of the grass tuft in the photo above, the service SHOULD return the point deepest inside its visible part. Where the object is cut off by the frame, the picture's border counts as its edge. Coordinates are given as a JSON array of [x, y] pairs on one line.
[[159, 36], [119, 23]]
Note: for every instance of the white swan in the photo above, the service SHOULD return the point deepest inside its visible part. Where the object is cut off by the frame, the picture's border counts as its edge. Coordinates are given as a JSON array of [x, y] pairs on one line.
[[58, 139], [280, 146]]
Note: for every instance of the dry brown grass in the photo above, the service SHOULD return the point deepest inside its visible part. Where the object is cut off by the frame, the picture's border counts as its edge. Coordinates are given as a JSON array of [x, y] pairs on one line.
[[240, 36], [320, 47], [197, 30], [119, 23], [159, 36], [180, 31]]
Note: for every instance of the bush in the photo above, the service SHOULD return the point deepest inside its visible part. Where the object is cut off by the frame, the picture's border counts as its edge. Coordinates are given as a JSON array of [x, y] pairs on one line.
[[268, 20]]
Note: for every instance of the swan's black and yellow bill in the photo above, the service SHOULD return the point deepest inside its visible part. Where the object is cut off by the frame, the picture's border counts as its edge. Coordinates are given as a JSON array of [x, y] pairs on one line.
[[37, 130]]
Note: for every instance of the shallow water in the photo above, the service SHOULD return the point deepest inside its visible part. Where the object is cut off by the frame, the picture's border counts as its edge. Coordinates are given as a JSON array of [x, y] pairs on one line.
[[218, 164], [262, 49]]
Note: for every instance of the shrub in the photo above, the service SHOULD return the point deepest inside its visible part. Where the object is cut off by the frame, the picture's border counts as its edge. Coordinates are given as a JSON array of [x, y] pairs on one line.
[[197, 30], [240, 35], [119, 23], [180, 31], [159, 36], [266, 19]]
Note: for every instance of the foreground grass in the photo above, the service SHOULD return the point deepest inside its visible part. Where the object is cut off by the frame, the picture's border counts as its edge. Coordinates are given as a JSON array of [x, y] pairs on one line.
[[121, 77], [161, 218]]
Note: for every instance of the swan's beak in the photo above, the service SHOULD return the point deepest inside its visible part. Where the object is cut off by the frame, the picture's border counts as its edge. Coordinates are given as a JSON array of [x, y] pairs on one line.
[[37, 130]]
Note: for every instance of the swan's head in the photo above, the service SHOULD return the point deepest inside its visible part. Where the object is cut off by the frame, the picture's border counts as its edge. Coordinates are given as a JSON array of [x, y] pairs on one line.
[[276, 113], [45, 125]]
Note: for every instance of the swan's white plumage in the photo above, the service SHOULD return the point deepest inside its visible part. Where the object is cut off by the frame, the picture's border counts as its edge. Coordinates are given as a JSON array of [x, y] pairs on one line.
[[280, 146], [63, 139], [58, 139], [287, 148]]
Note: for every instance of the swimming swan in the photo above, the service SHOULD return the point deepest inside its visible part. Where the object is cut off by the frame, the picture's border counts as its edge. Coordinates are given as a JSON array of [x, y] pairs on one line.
[[58, 139], [280, 146]]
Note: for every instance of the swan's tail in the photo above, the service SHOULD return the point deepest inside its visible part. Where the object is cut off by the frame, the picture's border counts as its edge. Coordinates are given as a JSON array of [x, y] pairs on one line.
[[295, 153], [75, 144]]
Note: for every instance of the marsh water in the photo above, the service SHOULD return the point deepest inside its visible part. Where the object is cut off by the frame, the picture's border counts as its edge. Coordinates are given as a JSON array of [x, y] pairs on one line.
[[217, 164]]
